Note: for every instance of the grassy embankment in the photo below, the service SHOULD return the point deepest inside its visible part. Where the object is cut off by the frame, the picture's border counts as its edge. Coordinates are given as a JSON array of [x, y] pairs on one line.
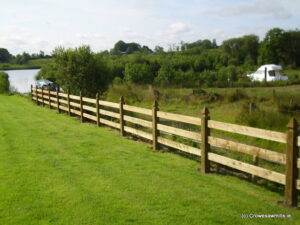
[[54, 170], [32, 64]]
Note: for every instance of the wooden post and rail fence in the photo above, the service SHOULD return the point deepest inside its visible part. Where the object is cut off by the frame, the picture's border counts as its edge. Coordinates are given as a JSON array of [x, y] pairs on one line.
[[149, 124]]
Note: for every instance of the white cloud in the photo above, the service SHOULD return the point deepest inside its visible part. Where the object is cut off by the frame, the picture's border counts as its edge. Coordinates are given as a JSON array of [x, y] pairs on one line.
[[276, 9], [178, 29], [34, 25]]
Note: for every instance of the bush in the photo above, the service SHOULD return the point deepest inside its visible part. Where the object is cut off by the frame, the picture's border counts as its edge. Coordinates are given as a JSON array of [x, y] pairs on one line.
[[81, 70], [4, 83], [48, 72], [263, 119], [165, 76], [138, 73], [287, 105], [117, 81]]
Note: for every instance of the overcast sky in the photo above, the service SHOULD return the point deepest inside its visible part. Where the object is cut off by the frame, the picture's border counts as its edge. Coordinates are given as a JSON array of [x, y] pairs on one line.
[[33, 25]]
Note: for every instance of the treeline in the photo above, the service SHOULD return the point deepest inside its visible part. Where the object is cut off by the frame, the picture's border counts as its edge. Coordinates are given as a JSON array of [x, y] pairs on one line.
[[202, 63], [7, 57]]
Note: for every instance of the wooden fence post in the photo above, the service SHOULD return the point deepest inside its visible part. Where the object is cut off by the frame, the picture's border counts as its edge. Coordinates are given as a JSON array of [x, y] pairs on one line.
[[69, 106], [49, 97], [205, 147], [154, 125], [43, 104], [81, 108], [57, 99], [291, 174], [97, 110], [122, 116], [36, 93]]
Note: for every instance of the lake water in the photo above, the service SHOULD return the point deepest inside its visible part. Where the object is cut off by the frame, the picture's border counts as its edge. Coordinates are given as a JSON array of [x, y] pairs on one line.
[[20, 80]]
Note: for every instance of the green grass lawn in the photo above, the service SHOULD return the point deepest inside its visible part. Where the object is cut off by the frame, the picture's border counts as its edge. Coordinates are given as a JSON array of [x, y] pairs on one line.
[[54, 170]]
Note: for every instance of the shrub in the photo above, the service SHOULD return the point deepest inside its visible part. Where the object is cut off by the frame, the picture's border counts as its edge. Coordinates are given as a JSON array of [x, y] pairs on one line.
[[4, 83], [199, 92], [263, 119], [81, 70], [138, 73], [285, 106], [165, 75], [117, 81]]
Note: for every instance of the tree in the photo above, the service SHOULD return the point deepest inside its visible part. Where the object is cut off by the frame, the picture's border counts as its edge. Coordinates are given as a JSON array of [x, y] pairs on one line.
[[138, 73], [165, 74], [200, 44], [80, 70], [242, 48], [48, 72], [291, 51], [4, 55], [158, 49], [122, 47], [22, 59], [272, 47], [145, 49]]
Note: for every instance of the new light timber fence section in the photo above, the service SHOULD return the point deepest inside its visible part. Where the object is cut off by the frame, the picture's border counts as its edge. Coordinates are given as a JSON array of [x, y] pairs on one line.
[[157, 127]]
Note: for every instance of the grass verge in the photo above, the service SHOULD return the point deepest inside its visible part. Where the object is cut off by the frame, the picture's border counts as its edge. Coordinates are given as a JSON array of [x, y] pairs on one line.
[[54, 170]]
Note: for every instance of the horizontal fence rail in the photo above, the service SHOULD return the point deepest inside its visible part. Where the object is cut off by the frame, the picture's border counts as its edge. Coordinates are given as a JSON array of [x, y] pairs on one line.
[[159, 127]]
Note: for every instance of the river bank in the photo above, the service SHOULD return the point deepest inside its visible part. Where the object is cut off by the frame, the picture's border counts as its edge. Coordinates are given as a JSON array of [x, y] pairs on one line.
[[31, 64]]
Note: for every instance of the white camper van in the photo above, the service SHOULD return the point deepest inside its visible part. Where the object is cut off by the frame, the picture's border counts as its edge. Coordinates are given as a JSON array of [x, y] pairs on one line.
[[270, 72]]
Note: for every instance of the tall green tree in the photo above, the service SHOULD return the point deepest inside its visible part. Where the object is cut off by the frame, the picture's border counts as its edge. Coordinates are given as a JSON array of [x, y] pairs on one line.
[[291, 50], [81, 70], [138, 73], [272, 47], [5, 56], [242, 48]]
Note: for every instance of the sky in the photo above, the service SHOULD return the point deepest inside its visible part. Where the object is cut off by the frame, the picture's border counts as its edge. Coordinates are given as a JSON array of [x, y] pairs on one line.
[[34, 25]]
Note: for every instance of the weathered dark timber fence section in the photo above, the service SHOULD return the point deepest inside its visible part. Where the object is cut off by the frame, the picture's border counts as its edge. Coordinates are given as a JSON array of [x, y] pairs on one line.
[[121, 117]]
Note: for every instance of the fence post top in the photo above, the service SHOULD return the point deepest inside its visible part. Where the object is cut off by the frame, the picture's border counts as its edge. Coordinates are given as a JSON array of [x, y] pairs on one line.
[[205, 111], [293, 124], [122, 99], [97, 95]]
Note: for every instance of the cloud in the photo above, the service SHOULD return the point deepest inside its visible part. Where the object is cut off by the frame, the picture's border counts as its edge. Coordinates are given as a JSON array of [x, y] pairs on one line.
[[275, 9], [177, 29], [44, 24]]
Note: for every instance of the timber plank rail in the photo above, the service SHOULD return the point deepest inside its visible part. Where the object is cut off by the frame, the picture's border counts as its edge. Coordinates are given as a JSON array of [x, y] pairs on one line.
[[148, 124]]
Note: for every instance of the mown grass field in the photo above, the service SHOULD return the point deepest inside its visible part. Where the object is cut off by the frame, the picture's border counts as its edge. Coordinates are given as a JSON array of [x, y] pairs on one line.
[[54, 170]]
